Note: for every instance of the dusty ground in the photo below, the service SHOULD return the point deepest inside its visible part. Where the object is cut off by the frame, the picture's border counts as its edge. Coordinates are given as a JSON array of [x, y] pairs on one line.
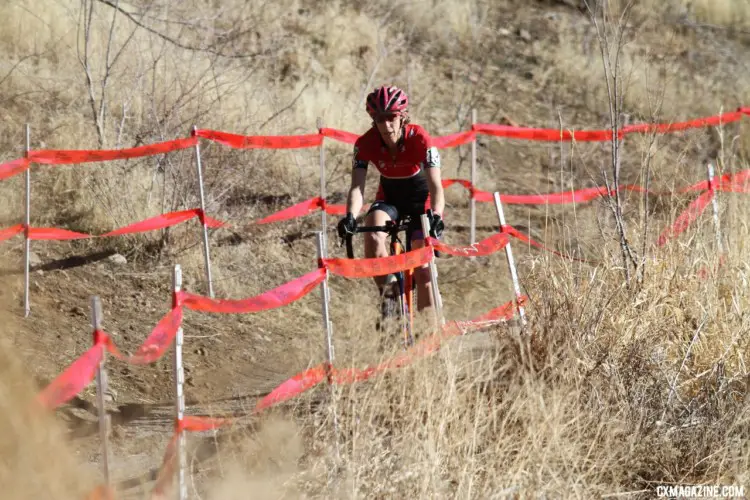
[[231, 360]]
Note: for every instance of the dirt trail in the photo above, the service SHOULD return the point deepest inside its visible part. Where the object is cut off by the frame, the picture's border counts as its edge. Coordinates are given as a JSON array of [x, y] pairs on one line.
[[230, 360]]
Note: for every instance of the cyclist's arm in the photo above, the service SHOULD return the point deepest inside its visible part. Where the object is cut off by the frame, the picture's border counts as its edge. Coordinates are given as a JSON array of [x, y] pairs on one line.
[[355, 200], [435, 181]]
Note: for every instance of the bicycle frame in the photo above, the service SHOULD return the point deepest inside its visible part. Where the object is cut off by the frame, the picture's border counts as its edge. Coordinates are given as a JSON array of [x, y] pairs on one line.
[[404, 279]]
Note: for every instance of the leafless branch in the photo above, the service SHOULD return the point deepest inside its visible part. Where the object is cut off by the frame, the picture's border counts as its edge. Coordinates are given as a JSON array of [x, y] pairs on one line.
[[288, 106], [87, 12], [16, 65], [171, 40], [600, 18]]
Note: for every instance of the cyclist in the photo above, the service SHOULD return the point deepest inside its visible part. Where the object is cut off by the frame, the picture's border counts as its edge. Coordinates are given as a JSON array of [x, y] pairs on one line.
[[410, 181]]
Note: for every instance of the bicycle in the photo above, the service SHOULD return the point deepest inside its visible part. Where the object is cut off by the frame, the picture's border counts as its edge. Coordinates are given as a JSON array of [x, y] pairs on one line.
[[398, 293]]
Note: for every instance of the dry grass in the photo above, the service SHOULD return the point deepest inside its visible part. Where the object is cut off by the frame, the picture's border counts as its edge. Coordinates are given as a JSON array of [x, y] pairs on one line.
[[615, 391], [584, 409], [36, 460], [722, 12]]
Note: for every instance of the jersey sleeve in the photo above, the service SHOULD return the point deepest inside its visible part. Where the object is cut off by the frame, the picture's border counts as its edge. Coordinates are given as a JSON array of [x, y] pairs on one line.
[[433, 158], [431, 155], [358, 160]]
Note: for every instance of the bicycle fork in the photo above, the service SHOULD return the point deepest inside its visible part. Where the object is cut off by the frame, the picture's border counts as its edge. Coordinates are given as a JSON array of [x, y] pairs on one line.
[[407, 299]]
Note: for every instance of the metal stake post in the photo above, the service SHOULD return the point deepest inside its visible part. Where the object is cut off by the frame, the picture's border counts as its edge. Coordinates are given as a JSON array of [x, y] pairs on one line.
[[101, 389], [206, 252], [473, 176], [715, 204], [324, 222], [511, 262], [328, 326], [26, 229], [436, 298], [179, 378]]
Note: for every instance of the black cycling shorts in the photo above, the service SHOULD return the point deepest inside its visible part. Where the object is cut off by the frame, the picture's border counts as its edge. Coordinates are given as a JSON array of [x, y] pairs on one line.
[[414, 231]]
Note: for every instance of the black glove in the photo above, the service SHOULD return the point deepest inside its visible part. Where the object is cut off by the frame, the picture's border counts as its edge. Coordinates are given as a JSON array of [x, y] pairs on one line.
[[347, 225], [436, 225]]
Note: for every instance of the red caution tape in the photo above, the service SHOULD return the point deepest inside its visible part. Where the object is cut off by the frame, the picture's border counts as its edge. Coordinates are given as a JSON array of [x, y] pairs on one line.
[[304, 208], [311, 377], [167, 469], [526, 239], [158, 222], [540, 134], [339, 135], [348, 376], [725, 182], [157, 342], [701, 186], [265, 142], [162, 221], [9, 232], [440, 142], [61, 157], [476, 194], [298, 210], [340, 209], [664, 128], [686, 218], [160, 338], [51, 233], [278, 297], [461, 182], [737, 183], [209, 221], [425, 346], [487, 246], [13, 167], [453, 140], [73, 380], [195, 423], [169, 462], [504, 312], [368, 268], [577, 196], [292, 387]]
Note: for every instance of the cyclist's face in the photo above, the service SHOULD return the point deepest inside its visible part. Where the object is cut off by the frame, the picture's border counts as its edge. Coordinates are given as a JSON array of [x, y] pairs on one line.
[[389, 127]]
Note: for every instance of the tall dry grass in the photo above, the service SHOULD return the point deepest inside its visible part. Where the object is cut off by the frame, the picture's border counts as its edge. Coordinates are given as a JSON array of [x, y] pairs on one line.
[[612, 393], [37, 462], [615, 391]]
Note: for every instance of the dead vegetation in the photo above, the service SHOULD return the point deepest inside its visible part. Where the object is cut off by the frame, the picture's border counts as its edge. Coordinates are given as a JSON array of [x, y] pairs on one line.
[[618, 389]]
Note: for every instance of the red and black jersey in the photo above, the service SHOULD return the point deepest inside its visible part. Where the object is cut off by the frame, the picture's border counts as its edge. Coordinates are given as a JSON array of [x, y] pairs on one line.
[[402, 179]]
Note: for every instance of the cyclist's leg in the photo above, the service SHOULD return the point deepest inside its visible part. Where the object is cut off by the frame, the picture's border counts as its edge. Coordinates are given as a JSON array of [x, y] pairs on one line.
[[376, 244], [421, 274]]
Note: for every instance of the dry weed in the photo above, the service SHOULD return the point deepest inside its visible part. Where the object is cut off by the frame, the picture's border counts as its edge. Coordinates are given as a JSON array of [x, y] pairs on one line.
[[615, 389]]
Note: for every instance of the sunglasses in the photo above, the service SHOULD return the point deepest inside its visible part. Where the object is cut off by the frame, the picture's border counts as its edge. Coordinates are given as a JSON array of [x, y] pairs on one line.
[[386, 117]]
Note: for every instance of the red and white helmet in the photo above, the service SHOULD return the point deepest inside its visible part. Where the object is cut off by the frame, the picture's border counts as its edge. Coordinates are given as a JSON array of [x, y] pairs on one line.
[[387, 100]]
